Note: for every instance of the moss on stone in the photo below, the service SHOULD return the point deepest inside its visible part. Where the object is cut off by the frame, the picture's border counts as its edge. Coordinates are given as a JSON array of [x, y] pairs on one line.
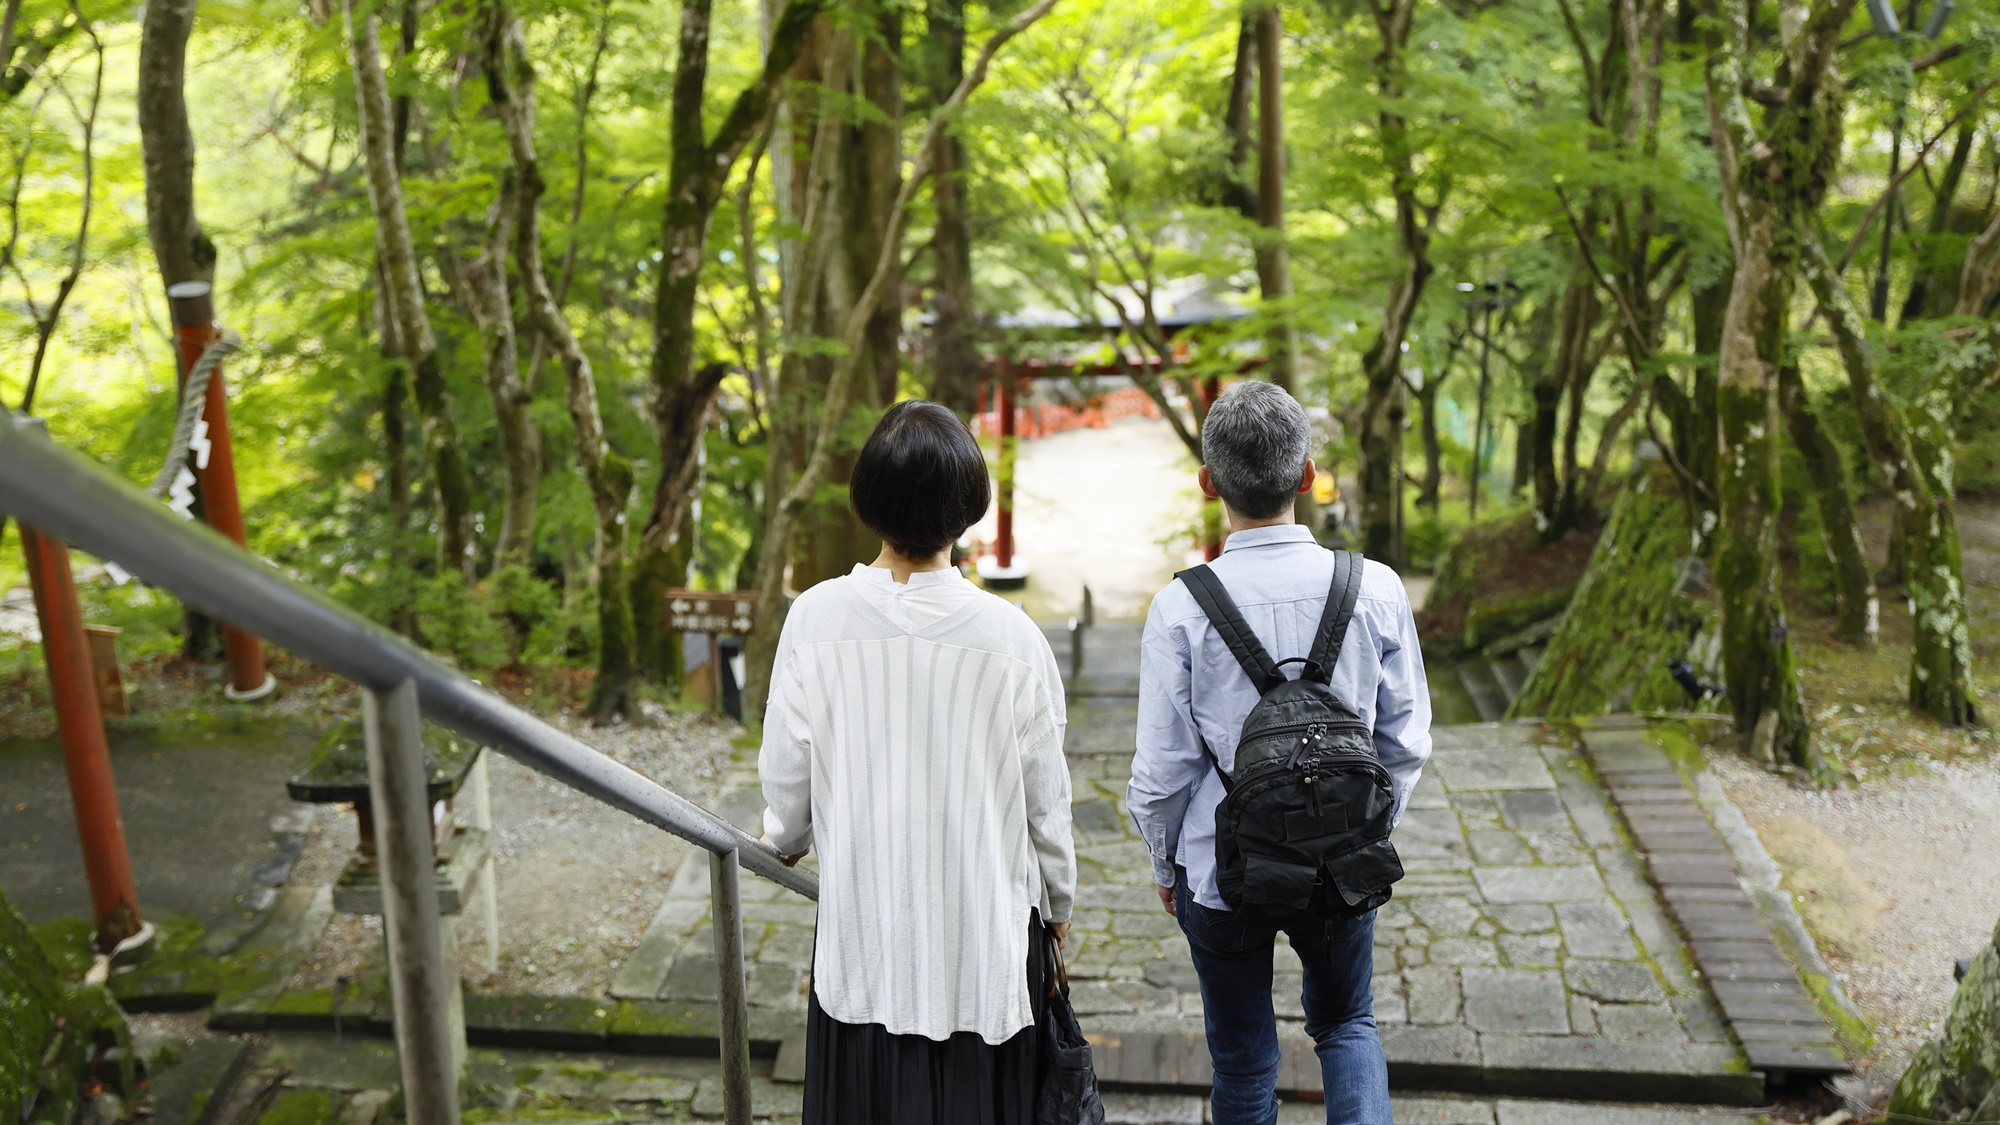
[[30, 1002], [302, 1107], [1956, 1078]]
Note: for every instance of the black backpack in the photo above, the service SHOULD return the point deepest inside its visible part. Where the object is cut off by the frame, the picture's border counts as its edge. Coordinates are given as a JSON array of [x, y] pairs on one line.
[[1303, 833]]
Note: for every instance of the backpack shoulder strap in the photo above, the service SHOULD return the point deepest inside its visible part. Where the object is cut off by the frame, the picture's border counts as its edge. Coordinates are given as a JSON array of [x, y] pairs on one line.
[[1230, 626], [1340, 598]]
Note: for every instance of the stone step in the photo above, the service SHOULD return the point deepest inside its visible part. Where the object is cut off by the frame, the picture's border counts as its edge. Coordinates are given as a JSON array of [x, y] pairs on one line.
[[1488, 697], [1507, 671]]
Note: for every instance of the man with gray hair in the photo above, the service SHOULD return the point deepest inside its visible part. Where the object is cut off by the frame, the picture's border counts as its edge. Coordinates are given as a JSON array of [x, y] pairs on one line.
[[1193, 700]]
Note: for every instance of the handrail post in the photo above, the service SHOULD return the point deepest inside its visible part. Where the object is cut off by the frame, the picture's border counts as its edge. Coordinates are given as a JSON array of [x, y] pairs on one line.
[[422, 996], [733, 1027]]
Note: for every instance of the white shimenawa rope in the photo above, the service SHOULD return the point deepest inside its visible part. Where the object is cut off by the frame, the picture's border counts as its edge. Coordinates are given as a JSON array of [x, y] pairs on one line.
[[194, 392]]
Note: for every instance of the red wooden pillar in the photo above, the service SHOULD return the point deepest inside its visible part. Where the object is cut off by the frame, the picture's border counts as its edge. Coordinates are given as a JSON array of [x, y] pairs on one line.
[[215, 467], [114, 899], [1003, 544], [1211, 545]]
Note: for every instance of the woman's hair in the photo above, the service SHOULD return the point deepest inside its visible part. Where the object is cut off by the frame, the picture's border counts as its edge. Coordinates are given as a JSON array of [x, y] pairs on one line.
[[921, 480]]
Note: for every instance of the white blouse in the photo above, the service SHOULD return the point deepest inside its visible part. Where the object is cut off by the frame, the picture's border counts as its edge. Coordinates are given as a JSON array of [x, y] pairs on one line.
[[914, 736]]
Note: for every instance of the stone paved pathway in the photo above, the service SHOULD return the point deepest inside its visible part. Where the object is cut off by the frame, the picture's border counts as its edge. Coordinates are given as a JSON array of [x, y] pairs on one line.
[[1525, 953]]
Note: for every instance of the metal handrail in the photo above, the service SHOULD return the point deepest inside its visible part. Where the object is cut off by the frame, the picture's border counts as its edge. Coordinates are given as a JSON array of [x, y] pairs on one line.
[[76, 500], [71, 498]]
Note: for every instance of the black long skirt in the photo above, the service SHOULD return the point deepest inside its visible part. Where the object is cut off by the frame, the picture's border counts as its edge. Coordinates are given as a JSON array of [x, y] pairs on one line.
[[860, 1074]]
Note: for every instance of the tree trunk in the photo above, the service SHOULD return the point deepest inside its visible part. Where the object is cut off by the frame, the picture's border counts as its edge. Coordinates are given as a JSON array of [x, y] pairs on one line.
[[954, 348], [180, 247], [1911, 466], [1274, 268], [1567, 376], [1427, 493], [510, 82], [785, 506], [1933, 290], [1858, 611], [1758, 665], [485, 300], [699, 167], [1382, 413], [831, 540], [452, 478]]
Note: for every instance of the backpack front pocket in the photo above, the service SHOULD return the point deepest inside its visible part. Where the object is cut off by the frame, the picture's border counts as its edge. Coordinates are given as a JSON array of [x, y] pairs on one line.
[[1275, 884], [1365, 872]]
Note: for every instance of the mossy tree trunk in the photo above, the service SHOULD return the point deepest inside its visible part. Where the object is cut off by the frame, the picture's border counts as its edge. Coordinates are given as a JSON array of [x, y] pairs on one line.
[[1774, 174], [1857, 610], [1914, 463]]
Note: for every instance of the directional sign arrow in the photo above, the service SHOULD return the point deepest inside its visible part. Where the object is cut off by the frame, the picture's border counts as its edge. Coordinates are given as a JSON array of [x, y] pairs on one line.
[[679, 605]]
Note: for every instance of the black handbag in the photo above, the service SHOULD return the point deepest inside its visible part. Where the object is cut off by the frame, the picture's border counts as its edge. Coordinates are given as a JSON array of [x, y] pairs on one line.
[[1068, 1093]]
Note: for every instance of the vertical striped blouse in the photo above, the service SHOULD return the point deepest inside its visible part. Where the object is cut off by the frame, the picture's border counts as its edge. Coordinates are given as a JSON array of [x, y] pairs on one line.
[[914, 737]]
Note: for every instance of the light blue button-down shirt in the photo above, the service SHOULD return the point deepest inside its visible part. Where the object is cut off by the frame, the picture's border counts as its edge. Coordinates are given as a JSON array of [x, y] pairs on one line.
[[1188, 679]]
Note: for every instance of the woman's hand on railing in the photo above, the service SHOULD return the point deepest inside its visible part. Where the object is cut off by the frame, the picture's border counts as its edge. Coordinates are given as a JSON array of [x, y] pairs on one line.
[[791, 860]]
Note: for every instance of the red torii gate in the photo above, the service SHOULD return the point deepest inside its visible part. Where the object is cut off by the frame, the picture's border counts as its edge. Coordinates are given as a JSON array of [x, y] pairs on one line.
[[1001, 570]]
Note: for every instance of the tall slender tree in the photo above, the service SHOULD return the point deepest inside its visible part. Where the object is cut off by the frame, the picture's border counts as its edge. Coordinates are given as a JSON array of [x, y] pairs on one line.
[[1775, 168], [451, 476], [699, 169]]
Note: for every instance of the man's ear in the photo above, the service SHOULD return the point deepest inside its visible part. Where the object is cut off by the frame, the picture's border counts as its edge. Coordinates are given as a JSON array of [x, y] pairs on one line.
[[1306, 479], [1207, 484]]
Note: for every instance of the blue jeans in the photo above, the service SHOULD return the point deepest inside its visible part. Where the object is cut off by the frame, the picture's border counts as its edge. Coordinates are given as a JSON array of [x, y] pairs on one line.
[[1233, 961]]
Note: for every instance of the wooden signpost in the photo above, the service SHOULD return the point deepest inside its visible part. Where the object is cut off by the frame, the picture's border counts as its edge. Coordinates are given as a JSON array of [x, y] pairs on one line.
[[716, 613]]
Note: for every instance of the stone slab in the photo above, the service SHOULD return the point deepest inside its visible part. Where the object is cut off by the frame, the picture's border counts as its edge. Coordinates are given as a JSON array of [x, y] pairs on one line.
[[1498, 767], [1617, 1071], [1516, 1001], [1539, 884], [196, 1085], [1433, 1058], [1510, 1112]]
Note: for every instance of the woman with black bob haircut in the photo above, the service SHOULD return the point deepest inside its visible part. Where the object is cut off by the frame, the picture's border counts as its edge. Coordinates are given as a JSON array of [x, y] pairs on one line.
[[913, 738]]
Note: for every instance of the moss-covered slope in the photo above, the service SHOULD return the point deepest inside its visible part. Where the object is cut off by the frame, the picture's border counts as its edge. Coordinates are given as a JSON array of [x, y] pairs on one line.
[[1628, 617]]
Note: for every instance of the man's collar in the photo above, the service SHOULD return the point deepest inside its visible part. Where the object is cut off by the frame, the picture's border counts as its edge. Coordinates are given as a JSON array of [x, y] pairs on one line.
[[1268, 535]]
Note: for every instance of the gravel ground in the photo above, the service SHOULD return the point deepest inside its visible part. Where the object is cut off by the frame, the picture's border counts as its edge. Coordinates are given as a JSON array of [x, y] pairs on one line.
[[578, 880], [1897, 878]]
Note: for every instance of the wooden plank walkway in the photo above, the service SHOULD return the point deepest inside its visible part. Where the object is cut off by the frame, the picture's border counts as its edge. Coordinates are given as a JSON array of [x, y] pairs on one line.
[[1757, 987]]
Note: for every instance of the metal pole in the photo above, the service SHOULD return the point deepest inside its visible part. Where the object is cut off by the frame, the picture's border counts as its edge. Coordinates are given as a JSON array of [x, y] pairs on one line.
[[1003, 545], [418, 987], [107, 864], [215, 467], [733, 1027]]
